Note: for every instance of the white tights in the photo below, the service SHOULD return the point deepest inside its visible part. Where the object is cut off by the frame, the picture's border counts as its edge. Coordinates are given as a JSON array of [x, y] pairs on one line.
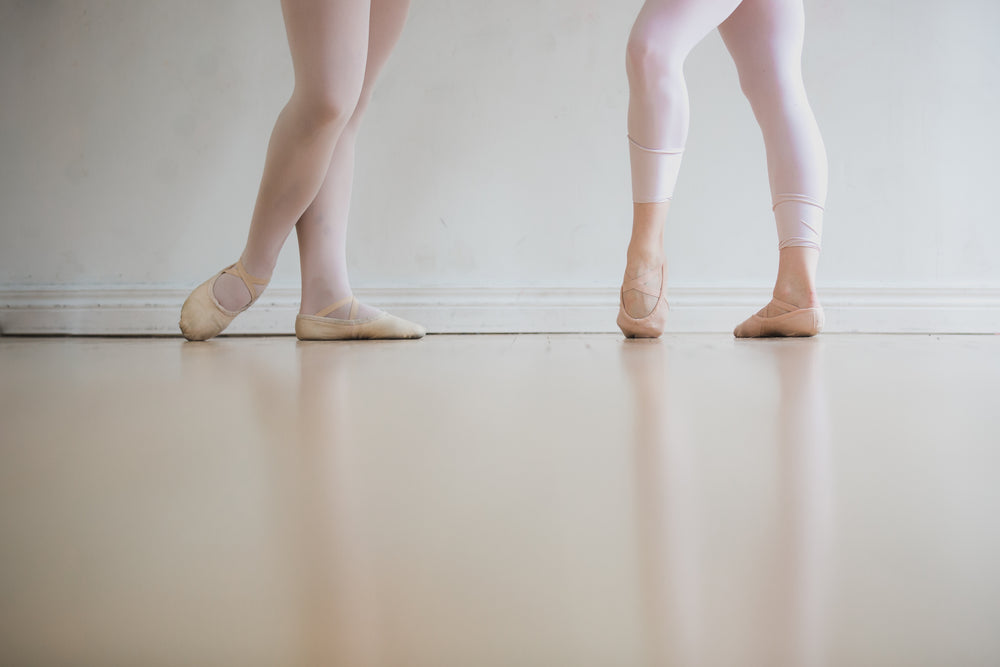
[[338, 49], [764, 38]]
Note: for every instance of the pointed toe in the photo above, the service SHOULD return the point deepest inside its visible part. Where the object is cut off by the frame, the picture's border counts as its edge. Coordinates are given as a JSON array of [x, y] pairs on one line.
[[749, 328], [203, 317], [653, 324], [396, 327]]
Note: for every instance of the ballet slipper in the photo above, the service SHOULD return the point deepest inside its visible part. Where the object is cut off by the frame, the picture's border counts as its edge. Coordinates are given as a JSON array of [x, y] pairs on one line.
[[653, 324], [782, 319], [381, 326], [203, 317]]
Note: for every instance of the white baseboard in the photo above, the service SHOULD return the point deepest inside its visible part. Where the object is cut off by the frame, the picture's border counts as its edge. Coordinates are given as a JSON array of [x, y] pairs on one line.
[[154, 311]]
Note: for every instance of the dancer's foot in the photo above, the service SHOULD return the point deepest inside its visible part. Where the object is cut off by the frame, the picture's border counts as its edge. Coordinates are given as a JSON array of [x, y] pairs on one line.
[[204, 315], [643, 309], [639, 301], [790, 314], [231, 293], [357, 322], [795, 308]]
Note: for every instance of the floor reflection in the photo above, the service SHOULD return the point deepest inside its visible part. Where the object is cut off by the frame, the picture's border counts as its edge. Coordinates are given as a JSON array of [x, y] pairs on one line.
[[806, 501], [669, 564], [500, 500], [334, 552], [790, 621]]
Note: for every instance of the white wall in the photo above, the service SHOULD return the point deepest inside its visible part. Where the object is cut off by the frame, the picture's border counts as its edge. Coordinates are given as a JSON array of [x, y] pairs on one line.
[[493, 167]]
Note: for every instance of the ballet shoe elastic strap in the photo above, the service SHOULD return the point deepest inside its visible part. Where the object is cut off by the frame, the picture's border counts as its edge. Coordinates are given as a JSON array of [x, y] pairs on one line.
[[340, 304], [639, 285], [776, 308], [254, 285]]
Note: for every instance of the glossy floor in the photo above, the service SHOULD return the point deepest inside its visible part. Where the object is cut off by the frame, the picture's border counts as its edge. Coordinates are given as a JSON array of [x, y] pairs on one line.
[[501, 500]]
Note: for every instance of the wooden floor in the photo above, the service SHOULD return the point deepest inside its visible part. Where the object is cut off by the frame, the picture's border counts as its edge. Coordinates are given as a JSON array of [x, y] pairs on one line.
[[519, 501]]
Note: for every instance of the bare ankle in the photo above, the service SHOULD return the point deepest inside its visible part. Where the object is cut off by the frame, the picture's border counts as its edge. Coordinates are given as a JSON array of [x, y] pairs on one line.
[[796, 281], [798, 295], [640, 258]]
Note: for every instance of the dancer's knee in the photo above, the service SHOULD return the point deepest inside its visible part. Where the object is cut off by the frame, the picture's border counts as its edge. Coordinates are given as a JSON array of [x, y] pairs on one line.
[[652, 65], [330, 107], [361, 107]]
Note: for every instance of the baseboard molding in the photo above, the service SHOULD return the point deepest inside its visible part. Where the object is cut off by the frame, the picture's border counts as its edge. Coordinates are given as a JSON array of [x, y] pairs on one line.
[[154, 311]]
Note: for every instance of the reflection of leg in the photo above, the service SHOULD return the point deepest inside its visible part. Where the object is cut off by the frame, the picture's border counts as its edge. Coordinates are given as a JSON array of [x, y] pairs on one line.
[[806, 502], [765, 38], [663, 35], [667, 528], [340, 610]]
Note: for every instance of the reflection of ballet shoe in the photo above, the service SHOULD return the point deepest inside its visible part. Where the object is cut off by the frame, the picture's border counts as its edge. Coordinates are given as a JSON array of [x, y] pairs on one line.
[[381, 326], [653, 324], [203, 317], [782, 319]]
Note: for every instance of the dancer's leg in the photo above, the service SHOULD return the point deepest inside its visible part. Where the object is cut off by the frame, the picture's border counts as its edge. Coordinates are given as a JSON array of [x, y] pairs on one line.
[[663, 35], [322, 230], [765, 39], [329, 46]]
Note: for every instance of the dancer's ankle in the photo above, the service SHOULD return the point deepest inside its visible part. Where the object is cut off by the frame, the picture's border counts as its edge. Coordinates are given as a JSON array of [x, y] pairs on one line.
[[643, 257], [257, 267], [796, 282], [796, 293], [316, 298]]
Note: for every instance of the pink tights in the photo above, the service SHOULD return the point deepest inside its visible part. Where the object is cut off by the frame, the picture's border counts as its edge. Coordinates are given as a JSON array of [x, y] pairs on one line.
[[764, 38]]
